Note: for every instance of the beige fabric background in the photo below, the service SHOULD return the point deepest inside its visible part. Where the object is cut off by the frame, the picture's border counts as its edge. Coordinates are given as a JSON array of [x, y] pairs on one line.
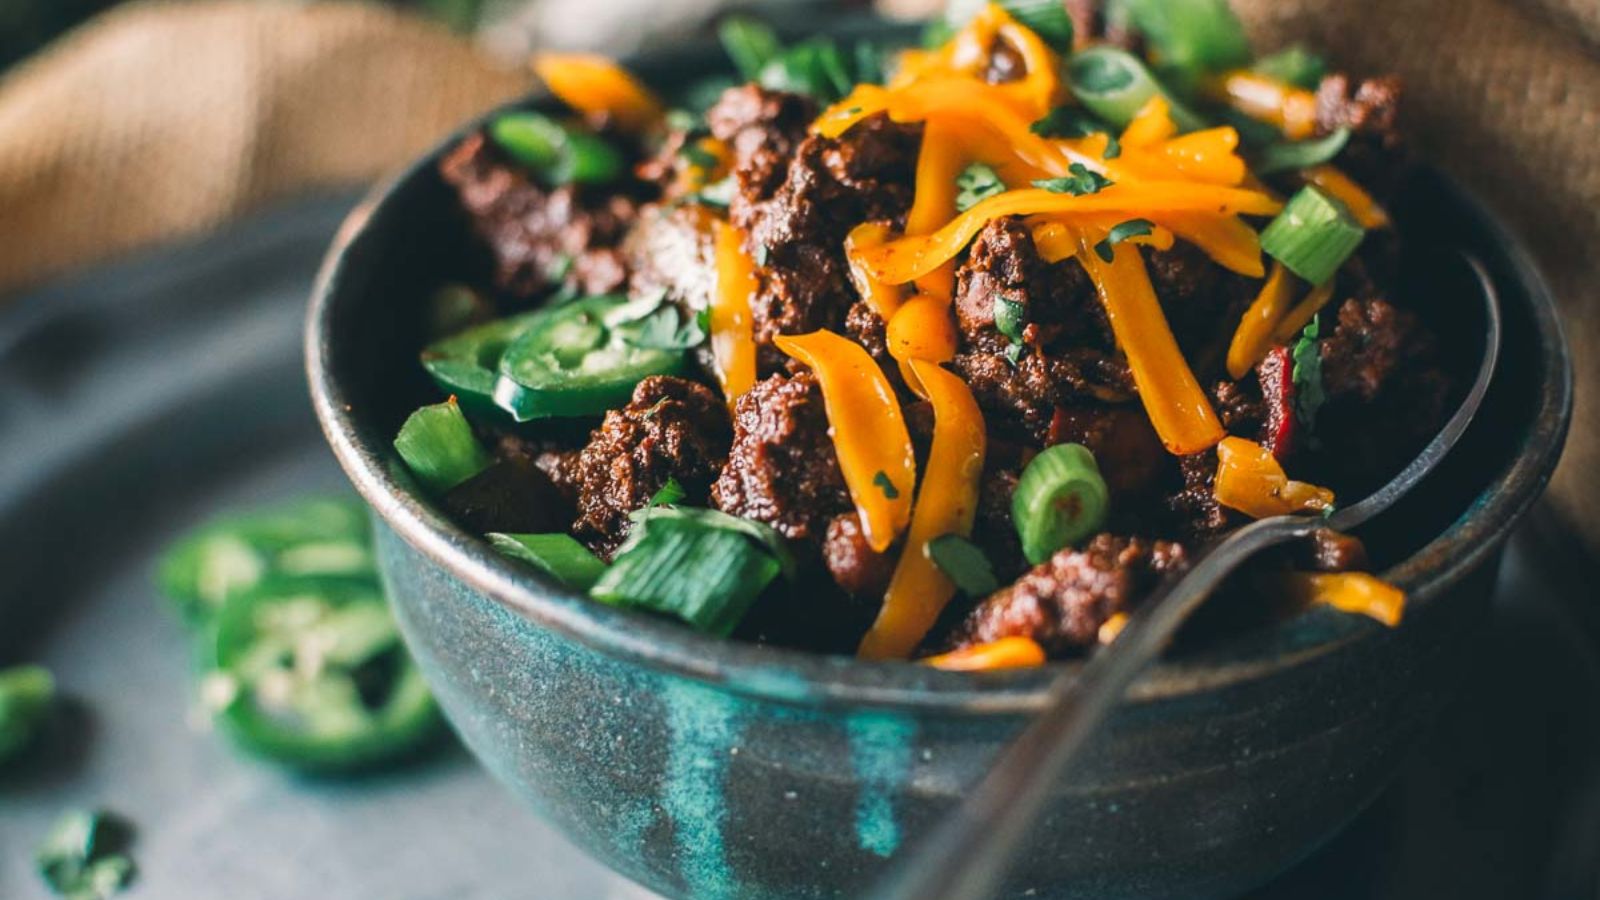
[[165, 118]]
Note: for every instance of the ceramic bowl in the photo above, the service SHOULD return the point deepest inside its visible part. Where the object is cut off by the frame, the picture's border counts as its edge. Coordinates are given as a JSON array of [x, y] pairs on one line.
[[712, 769]]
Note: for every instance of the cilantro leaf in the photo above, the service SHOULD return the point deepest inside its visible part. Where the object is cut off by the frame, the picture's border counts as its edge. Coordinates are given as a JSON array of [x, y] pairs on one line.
[[882, 482], [664, 327], [1307, 372], [1121, 232], [977, 182], [964, 563], [1081, 182], [1010, 317]]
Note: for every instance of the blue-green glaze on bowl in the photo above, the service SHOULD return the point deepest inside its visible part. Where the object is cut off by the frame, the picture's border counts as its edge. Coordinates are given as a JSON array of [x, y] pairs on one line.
[[713, 769]]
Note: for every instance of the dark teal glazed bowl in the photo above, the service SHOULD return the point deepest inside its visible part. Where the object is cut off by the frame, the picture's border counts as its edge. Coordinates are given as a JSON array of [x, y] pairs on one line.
[[710, 769]]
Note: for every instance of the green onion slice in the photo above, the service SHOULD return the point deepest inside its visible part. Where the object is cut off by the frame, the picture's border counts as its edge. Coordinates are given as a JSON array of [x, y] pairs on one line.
[[559, 154], [682, 567], [965, 564], [1114, 85], [26, 693], [1060, 500], [1285, 156], [1190, 38], [1313, 236], [439, 448], [760, 532], [749, 43], [558, 555]]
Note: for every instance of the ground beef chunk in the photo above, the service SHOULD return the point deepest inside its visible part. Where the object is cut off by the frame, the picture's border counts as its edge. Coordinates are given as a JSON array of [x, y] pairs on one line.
[[782, 469], [831, 185], [1237, 406], [1331, 551], [534, 233], [1063, 602], [561, 467], [1059, 300], [857, 568], [762, 128], [863, 324], [672, 428], [1371, 340], [1370, 107], [1194, 508], [513, 496], [1020, 399]]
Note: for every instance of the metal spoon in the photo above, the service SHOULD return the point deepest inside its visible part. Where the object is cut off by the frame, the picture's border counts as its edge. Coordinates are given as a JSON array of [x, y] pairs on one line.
[[969, 855]]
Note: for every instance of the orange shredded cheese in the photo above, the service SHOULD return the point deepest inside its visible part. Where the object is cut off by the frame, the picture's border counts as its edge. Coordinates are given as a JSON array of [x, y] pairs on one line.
[[596, 86], [1351, 592], [923, 328], [1291, 110], [947, 501], [969, 51], [868, 431], [1297, 318], [1250, 480], [908, 258], [1226, 239], [1178, 409], [1006, 653], [1254, 336], [1110, 628], [883, 298], [733, 348], [1151, 125], [1366, 211]]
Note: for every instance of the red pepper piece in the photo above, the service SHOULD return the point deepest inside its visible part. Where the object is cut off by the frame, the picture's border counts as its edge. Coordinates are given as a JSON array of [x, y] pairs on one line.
[[1276, 374]]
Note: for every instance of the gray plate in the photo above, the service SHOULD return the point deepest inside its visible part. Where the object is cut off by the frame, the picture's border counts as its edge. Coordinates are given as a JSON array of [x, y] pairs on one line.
[[139, 400]]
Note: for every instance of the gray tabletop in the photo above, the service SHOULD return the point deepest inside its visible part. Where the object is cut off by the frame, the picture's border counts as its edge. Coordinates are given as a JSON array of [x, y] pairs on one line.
[[138, 400]]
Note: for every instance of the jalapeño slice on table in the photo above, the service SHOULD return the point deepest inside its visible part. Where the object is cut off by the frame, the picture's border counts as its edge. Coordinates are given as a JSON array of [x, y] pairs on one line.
[[318, 536], [582, 358], [311, 672]]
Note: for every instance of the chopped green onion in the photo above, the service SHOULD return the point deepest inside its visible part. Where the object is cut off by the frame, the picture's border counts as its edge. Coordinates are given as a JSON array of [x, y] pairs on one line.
[[977, 183], [760, 532], [439, 448], [1046, 18], [1114, 85], [84, 856], [1293, 65], [558, 555], [1313, 235], [964, 563], [1010, 317], [26, 693], [1119, 233], [1286, 157], [1060, 500], [749, 43], [1082, 181], [705, 575], [1191, 38], [558, 153], [869, 63], [1307, 373]]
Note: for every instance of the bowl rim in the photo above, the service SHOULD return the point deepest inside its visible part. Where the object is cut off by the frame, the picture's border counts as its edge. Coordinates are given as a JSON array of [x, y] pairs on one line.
[[804, 678]]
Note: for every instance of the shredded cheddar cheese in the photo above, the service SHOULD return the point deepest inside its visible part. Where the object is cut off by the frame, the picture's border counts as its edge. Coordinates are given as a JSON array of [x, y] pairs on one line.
[[1291, 110], [732, 346], [1006, 653], [1250, 480], [1351, 592], [883, 298], [1178, 409], [1298, 317], [868, 431], [596, 86], [1254, 336], [947, 501]]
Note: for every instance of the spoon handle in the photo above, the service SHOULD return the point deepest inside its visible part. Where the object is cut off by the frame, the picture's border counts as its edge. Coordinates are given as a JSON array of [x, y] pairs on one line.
[[966, 858]]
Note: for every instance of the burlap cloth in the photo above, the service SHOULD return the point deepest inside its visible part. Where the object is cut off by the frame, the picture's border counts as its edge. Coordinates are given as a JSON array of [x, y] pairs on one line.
[[164, 119]]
